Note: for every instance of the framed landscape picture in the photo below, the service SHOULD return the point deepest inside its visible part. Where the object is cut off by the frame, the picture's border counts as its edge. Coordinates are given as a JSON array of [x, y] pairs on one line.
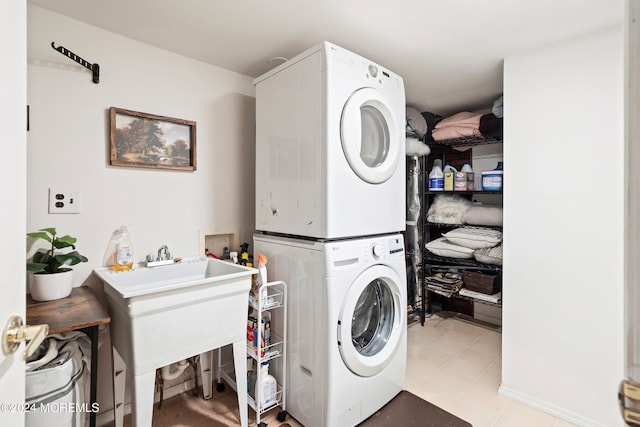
[[145, 140]]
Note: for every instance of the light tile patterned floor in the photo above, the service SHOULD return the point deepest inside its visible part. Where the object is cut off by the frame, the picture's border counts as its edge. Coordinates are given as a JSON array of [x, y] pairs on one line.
[[452, 363], [456, 365]]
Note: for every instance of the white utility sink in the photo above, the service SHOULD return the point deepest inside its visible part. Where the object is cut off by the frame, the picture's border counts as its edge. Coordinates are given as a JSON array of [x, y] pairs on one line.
[[161, 315]]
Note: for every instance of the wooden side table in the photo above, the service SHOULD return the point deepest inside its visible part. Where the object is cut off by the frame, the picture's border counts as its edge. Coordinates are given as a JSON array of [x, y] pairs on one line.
[[80, 311]]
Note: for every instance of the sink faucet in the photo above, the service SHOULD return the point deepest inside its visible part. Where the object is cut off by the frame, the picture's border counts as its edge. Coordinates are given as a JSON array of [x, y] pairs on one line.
[[163, 253], [164, 258]]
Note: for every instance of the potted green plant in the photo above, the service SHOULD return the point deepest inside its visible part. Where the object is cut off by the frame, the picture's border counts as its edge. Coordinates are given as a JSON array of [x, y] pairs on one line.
[[52, 278]]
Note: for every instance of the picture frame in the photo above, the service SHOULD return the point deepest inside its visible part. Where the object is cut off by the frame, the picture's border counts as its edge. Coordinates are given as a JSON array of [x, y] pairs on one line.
[[144, 140]]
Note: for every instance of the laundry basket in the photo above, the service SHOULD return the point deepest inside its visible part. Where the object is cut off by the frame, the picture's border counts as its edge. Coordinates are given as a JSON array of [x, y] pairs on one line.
[[57, 382]]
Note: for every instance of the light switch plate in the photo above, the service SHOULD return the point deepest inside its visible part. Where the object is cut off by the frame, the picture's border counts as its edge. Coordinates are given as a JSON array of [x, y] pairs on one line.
[[64, 201]]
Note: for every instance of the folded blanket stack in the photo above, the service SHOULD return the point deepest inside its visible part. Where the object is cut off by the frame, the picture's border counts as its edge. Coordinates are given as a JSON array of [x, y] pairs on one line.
[[467, 124], [445, 284], [460, 124]]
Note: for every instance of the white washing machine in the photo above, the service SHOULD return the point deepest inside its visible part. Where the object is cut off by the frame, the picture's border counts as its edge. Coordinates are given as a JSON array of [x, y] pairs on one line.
[[330, 146], [347, 328]]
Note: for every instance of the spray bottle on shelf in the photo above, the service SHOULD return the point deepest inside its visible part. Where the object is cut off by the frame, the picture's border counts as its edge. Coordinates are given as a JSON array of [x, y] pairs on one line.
[[261, 277], [262, 270], [245, 258]]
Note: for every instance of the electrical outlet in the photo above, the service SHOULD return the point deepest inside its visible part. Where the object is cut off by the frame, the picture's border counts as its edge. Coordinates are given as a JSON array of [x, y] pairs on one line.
[[64, 201]]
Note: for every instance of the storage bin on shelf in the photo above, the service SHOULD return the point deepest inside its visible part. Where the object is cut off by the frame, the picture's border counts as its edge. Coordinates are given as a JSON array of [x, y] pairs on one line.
[[267, 300], [483, 282]]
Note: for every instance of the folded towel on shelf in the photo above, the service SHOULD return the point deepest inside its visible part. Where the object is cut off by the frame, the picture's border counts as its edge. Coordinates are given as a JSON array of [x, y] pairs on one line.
[[461, 119], [495, 298], [451, 132], [444, 283], [459, 125]]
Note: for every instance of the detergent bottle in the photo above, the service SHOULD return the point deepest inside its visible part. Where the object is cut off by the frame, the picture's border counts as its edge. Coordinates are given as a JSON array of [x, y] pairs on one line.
[[436, 177], [266, 387], [449, 177]]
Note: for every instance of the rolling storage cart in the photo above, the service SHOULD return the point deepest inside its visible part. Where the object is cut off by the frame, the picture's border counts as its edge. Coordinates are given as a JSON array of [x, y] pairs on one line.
[[266, 350]]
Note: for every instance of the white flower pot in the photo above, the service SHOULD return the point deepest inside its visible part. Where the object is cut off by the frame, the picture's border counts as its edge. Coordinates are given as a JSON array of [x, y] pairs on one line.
[[47, 287]]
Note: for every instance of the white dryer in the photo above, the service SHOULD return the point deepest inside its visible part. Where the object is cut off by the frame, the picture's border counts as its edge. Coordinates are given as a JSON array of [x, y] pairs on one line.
[[330, 146], [346, 332]]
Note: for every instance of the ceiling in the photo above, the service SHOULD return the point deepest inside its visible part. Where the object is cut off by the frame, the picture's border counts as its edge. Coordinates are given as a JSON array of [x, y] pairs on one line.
[[449, 52]]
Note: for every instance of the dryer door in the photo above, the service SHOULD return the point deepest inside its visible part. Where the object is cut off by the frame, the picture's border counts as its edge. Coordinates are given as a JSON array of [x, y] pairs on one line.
[[370, 136], [370, 322]]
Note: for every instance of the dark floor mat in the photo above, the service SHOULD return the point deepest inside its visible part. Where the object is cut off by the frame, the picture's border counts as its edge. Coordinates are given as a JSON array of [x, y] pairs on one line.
[[407, 409]]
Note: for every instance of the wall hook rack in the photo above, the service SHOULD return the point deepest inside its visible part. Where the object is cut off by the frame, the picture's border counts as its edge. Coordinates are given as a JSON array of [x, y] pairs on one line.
[[95, 68]]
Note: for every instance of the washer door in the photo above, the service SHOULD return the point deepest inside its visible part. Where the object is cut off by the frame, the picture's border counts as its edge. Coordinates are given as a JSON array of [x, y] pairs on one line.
[[370, 138], [370, 321]]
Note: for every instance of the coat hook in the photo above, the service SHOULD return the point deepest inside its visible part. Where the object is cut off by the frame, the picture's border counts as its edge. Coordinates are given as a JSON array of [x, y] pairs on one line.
[[94, 68]]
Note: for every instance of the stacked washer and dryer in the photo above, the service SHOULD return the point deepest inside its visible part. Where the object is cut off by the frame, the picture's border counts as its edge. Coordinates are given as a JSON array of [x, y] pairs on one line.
[[330, 209]]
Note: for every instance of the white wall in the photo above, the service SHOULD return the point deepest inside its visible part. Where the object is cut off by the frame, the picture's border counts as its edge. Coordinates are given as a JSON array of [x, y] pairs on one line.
[[69, 141], [68, 146], [564, 210]]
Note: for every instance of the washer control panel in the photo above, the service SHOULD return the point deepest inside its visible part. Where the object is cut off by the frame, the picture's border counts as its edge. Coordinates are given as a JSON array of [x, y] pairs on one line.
[[396, 245], [391, 246], [351, 253]]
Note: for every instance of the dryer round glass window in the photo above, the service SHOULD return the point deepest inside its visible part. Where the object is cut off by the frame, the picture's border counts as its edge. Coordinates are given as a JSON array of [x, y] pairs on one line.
[[375, 137], [370, 136], [370, 323]]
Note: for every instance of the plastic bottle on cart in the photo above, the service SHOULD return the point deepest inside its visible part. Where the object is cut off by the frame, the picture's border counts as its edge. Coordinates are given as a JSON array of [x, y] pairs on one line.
[[251, 376], [436, 177], [267, 388], [261, 277]]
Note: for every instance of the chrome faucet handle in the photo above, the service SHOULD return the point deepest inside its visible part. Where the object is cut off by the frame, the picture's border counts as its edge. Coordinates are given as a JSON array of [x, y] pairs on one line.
[[163, 253]]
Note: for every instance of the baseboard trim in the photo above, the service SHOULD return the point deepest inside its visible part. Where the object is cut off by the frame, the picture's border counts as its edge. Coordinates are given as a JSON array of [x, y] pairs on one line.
[[549, 408]]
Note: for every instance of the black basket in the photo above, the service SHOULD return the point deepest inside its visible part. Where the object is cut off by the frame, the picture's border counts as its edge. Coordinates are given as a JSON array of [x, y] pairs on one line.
[[485, 283]]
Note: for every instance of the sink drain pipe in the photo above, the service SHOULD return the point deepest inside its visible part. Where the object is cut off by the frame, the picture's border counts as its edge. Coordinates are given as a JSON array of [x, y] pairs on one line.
[[168, 374], [165, 373]]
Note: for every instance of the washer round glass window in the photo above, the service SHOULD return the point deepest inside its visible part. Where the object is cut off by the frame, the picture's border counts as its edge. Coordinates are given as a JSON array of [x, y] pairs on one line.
[[372, 321]]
